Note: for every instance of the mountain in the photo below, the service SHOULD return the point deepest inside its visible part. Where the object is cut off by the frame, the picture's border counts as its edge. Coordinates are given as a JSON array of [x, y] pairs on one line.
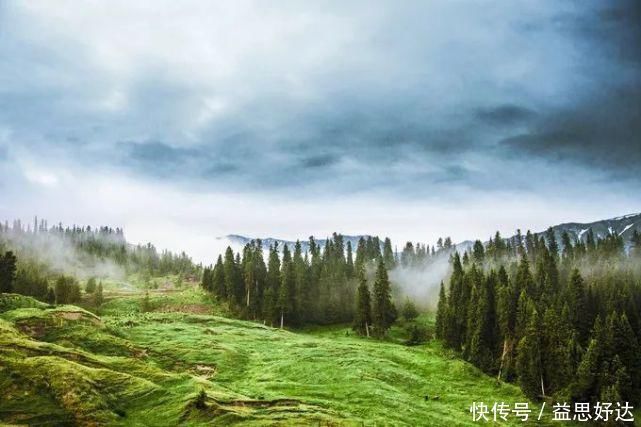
[[238, 242], [622, 226]]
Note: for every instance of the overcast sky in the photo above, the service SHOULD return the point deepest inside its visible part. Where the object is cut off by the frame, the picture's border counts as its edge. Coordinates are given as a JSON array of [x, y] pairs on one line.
[[183, 121]]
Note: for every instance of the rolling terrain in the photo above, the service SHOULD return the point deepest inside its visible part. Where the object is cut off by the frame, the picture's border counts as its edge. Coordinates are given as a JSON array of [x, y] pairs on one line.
[[173, 357]]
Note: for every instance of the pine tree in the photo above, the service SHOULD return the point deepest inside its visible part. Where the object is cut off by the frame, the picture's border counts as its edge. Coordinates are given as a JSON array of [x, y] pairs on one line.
[[553, 246], [90, 287], [456, 307], [585, 386], [636, 243], [349, 265], [286, 295], [218, 279], [388, 254], [478, 252], [577, 304], [441, 313], [528, 362], [590, 243], [301, 283], [555, 356], [625, 345], [524, 280], [7, 271], [383, 312], [98, 297], [484, 324], [361, 254], [272, 286], [363, 319]]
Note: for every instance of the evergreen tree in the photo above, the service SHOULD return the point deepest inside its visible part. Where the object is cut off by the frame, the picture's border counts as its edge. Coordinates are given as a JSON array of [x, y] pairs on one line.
[[585, 387], [302, 298], [90, 287], [67, 290], [98, 297], [577, 304], [349, 265], [51, 296], [555, 352], [363, 318], [272, 286], [457, 306], [7, 271], [484, 327], [218, 279], [568, 249], [286, 295], [383, 312], [636, 243], [528, 363], [478, 252], [388, 254], [441, 313], [553, 246], [233, 279]]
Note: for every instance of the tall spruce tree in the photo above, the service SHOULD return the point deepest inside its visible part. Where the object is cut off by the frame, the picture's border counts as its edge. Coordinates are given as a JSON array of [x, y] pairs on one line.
[[286, 293], [218, 279], [7, 271], [383, 312], [441, 312], [388, 254], [528, 362], [272, 286], [363, 318]]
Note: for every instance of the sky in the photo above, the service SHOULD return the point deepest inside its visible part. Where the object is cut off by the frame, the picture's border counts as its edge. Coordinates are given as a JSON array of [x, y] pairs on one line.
[[185, 121]]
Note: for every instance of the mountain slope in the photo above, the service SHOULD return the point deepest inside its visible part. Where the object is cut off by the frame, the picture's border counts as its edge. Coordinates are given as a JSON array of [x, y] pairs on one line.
[[622, 226], [64, 365]]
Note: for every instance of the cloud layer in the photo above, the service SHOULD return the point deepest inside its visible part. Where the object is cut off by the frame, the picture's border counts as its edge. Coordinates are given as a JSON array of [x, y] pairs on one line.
[[383, 101]]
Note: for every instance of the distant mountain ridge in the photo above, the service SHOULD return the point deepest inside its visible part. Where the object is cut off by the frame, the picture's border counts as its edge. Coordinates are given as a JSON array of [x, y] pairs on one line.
[[236, 240], [622, 226]]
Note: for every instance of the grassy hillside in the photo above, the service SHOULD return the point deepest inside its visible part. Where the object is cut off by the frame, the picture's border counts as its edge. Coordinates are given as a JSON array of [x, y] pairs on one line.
[[66, 365]]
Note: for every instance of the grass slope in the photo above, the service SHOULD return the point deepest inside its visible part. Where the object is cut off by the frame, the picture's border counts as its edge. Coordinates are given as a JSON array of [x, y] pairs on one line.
[[64, 365]]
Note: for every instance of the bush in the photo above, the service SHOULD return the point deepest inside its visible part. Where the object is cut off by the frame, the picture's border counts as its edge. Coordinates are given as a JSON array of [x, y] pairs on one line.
[[409, 311], [416, 335]]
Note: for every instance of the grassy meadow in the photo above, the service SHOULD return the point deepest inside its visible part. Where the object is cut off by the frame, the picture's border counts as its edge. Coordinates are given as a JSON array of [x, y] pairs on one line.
[[173, 356]]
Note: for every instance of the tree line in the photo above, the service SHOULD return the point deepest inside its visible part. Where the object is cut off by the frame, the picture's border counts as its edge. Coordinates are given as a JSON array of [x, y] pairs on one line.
[[24, 252], [293, 287], [561, 319], [323, 285]]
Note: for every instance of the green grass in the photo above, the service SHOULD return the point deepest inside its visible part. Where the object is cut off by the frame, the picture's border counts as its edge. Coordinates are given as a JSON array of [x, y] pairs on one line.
[[65, 365]]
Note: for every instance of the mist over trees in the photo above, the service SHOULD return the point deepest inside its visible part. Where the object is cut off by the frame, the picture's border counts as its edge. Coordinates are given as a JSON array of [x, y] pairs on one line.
[[561, 319], [48, 262], [324, 285]]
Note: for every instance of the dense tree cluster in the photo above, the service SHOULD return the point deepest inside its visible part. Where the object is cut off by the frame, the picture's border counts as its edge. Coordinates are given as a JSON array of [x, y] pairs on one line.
[[323, 285], [25, 253], [89, 246], [560, 318]]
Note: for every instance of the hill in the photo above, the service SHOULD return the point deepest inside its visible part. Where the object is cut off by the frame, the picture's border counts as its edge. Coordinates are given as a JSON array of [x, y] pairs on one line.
[[64, 365], [622, 226]]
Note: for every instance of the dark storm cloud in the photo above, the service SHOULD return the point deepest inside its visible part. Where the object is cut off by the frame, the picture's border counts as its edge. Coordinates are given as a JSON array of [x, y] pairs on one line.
[[505, 115], [410, 97], [601, 128], [604, 132]]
